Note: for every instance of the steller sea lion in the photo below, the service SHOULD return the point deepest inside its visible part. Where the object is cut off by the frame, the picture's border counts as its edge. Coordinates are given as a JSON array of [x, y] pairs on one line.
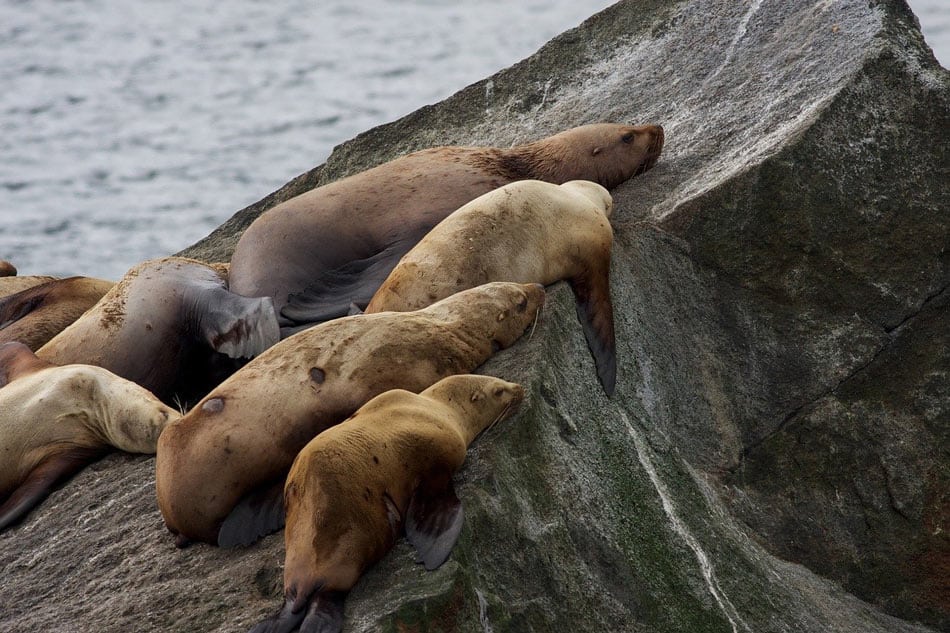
[[35, 315], [7, 269], [335, 244], [355, 488], [528, 231], [220, 469], [162, 325], [55, 420]]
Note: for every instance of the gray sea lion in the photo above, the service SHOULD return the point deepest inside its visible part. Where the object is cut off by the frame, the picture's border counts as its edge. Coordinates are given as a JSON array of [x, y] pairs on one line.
[[35, 315], [220, 469], [334, 245], [528, 231], [387, 469], [55, 420], [161, 325]]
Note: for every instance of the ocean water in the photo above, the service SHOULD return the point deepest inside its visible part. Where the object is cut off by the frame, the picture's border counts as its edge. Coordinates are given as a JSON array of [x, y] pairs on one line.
[[131, 130]]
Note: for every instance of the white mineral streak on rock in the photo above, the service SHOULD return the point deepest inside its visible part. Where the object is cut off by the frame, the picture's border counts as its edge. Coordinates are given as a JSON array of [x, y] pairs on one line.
[[643, 454]]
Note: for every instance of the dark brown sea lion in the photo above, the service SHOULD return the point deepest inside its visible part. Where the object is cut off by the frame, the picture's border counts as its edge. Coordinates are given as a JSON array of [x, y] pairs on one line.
[[334, 245], [7, 269], [528, 231], [37, 314], [220, 469], [387, 469], [55, 420], [161, 325]]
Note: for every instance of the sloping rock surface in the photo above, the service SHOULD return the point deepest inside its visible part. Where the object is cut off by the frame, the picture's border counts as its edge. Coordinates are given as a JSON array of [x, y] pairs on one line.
[[776, 455]]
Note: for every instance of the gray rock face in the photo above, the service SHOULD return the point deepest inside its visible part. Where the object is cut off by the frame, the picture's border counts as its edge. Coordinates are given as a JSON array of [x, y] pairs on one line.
[[776, 455]]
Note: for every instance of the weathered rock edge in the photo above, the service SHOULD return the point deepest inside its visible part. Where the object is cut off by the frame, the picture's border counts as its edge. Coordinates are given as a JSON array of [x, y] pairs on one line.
[[780, 283]]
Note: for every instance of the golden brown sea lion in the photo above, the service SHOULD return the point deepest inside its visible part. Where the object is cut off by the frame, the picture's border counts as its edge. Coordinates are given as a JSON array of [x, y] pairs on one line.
[[354, 488], [7, 269], [37, 314], [55, 420], [161, 325], [336, 244], [237, 444], [528, 231]]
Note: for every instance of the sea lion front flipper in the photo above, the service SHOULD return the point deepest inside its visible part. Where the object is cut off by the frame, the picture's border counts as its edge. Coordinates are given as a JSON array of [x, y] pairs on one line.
[[16, 306], [596, 314], [256, 515], [16, 359], [43, 478], [240, 327], [433, 524], [333, 293], [285, 621]]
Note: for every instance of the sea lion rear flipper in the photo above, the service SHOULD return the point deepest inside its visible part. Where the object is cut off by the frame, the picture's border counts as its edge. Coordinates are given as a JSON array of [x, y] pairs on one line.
[[433, 524], [334, 292], [43, 478], [324, 614], [596, 314], [241, 327], [256, 515]]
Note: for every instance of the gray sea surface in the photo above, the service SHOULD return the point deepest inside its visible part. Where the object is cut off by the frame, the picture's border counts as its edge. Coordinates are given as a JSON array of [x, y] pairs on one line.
[[131, 130]]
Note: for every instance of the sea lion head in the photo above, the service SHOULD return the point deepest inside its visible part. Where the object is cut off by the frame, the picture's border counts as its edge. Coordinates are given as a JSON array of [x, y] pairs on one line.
[[607, 153], [132, 417], [481, 400], [500, 311]]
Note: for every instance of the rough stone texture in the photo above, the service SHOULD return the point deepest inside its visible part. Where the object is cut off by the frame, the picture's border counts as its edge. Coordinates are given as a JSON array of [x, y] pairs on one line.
[[776, 455]]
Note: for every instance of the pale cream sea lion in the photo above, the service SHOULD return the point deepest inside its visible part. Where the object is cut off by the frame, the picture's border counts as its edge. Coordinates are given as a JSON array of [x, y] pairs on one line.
[[528, 231], [387, 469], [220, 469], [162, 325], [334, 245], [35, 315], [55, 420]]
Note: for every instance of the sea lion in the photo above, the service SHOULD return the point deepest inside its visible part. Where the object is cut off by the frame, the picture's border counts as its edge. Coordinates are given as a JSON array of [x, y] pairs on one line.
[[238, 442], [336, 244], [388, 468], [528, 231], [161, 325], [37, 314], [55, 420], [7, 269]]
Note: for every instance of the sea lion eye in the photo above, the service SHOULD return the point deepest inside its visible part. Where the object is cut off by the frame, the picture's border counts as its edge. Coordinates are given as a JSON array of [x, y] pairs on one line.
[[627, 138]]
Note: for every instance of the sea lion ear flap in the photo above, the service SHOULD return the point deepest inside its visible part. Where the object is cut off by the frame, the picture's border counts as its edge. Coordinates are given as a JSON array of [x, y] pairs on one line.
[[597, 150], [433, 523]]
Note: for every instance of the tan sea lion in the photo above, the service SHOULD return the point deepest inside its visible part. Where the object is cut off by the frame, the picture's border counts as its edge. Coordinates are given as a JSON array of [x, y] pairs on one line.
[[220, 469], [387, 469], [37, 314], [161, 325], [55, 420], [334, 245], [528, 231], [7, 269]]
